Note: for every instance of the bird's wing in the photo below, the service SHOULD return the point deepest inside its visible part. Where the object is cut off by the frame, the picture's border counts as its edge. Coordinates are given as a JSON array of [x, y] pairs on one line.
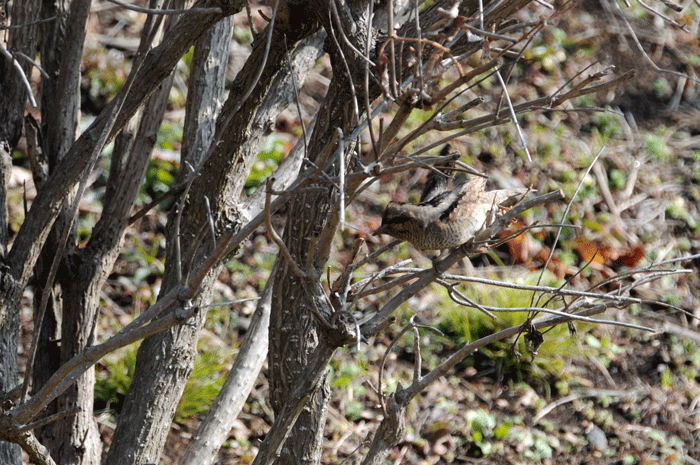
[[461, 201], [436, 182]]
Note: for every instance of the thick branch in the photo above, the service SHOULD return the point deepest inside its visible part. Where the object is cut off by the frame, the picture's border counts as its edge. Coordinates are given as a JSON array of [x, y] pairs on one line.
[[157, 65]]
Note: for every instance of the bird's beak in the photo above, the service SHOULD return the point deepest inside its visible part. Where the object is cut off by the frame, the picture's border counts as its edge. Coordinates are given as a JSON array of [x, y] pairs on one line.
[[379, 231]]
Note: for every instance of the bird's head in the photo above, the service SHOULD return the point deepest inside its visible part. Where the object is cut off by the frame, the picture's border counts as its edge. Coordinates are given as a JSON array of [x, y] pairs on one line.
[[396, 221]]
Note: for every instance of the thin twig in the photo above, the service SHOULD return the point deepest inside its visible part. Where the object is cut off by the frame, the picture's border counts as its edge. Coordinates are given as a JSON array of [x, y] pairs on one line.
[[635, 39], [210, 221], [230, 302], [392, 51], [341, 177], [20, 71], [380, 375], [333, 14], [564, 214], [33, 23], [296, 97], [275, 237], [662, 16], [462, 299], [49, 419], [176, 190], [24, 56], [493, 35], [157, 11], [513, 116], [417, 358]]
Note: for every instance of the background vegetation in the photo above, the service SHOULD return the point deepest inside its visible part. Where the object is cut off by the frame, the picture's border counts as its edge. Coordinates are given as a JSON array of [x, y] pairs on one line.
[[609, 394]]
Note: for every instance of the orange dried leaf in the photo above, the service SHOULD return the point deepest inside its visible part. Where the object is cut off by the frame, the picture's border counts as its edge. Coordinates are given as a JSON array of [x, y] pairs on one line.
[[588, 251], [633, 256]]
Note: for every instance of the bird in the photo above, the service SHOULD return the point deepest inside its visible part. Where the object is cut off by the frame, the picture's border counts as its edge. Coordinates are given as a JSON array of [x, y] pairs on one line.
[[443, 218]]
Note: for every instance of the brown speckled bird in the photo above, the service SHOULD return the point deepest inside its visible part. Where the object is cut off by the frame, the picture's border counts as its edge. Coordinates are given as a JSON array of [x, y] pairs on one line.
[[444, 218]]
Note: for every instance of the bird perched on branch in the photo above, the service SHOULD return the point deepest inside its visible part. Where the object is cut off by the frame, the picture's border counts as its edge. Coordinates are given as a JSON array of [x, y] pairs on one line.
[[443, 218]]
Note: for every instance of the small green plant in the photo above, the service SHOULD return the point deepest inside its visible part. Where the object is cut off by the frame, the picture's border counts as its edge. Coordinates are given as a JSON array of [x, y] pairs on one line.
[[481, 424], [273, 152], [655, 145], [169, 136], [608, 124], [117, 370], [160, 177], [114, 375], [678, 210], [467, 325], [204, 383], [618, 179], [146, 256]]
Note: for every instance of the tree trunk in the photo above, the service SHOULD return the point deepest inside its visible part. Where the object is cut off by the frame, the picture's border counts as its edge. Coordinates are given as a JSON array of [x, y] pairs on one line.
[[220, 146], [13, 97], [164, 361], [296, 339]]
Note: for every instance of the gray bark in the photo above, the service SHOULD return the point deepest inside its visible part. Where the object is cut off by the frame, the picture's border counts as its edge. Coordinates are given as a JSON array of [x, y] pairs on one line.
[[304, 326], [299, 348], [62, 47], [205, 91], [301, 333], [13, 93], [13, 96], [166, 360], [218, 422]]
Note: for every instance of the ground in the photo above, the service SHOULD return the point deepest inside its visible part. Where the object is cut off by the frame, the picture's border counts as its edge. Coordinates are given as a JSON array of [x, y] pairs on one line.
[[600, 395]]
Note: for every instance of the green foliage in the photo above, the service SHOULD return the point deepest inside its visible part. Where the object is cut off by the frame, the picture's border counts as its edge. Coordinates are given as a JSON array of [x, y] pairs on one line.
[[169, 136], [608, 125], [348, 377], [354, 410], [117, 371], [502, 430], [481, 424], [468, 325], [678, 210], [159, 179], [347, 373], [114, 374], [242, 35], [103, 76], [146, 255], [662, 88], [618, 179], [540, 446], [273, 152], [204, 384], [655, 146], [85, 225], [549, 52], [605, 349]]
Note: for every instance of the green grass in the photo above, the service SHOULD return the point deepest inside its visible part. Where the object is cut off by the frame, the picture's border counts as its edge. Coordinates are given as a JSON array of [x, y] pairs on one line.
[[115, 372], [463, 325]]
